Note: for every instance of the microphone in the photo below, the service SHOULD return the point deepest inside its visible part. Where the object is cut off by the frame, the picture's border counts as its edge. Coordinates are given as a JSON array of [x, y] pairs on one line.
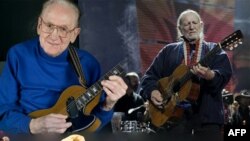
[[134, 109]]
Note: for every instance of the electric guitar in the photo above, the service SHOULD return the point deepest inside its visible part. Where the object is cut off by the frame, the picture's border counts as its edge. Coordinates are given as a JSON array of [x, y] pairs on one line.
[[177, 86], [77, 103]]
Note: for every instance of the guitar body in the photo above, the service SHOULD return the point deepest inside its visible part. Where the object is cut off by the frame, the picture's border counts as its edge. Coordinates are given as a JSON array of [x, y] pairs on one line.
[[89, 122], [159, 117], [165, 85]]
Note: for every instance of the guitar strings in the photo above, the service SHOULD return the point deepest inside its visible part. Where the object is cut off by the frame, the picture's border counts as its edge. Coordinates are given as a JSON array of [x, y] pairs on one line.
[[72, 104]]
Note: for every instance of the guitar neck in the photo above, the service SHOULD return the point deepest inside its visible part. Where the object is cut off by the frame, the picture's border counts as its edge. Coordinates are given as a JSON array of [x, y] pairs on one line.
[[95, 89], [203, 62], [209, 55]]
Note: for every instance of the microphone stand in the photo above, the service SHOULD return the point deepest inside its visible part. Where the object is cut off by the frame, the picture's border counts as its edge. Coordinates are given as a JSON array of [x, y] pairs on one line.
[[134, 109]]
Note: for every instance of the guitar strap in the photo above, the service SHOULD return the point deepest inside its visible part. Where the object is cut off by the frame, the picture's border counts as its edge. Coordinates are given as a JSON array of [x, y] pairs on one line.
[[74, 58]]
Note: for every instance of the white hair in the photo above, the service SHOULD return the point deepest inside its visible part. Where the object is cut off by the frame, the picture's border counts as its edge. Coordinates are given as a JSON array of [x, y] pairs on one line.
[[63, 2], [179, 20]]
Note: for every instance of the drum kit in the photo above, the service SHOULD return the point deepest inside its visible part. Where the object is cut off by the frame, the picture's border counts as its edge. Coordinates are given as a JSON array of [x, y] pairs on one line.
[[132, 126], [141, 125], [236, 107]]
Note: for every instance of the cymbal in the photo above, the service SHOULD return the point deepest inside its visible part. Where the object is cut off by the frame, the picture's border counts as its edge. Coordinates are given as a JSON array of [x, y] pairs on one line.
[[228, 98], [243, 98]]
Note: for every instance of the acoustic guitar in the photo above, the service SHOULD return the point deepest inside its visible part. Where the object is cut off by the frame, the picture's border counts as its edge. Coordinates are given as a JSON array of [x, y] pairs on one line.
[[78, 102], [177, 86]]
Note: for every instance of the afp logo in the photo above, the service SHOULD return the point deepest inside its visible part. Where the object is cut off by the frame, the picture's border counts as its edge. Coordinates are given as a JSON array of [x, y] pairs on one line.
[[236, 132]]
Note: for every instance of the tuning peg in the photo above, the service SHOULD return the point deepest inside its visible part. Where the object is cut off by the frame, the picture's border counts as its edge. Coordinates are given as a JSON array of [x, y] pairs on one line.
[[240, 41], [235, 45], [230, 47]]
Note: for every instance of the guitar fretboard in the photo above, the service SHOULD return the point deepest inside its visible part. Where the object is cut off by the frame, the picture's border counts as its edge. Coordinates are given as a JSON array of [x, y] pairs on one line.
[[92, 91]]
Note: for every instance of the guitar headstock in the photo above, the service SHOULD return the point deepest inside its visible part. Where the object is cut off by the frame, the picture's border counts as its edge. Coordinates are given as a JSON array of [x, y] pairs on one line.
[[232, 41]]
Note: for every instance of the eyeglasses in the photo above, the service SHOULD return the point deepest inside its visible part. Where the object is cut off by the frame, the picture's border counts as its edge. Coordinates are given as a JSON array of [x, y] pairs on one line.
[[49, 28]]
